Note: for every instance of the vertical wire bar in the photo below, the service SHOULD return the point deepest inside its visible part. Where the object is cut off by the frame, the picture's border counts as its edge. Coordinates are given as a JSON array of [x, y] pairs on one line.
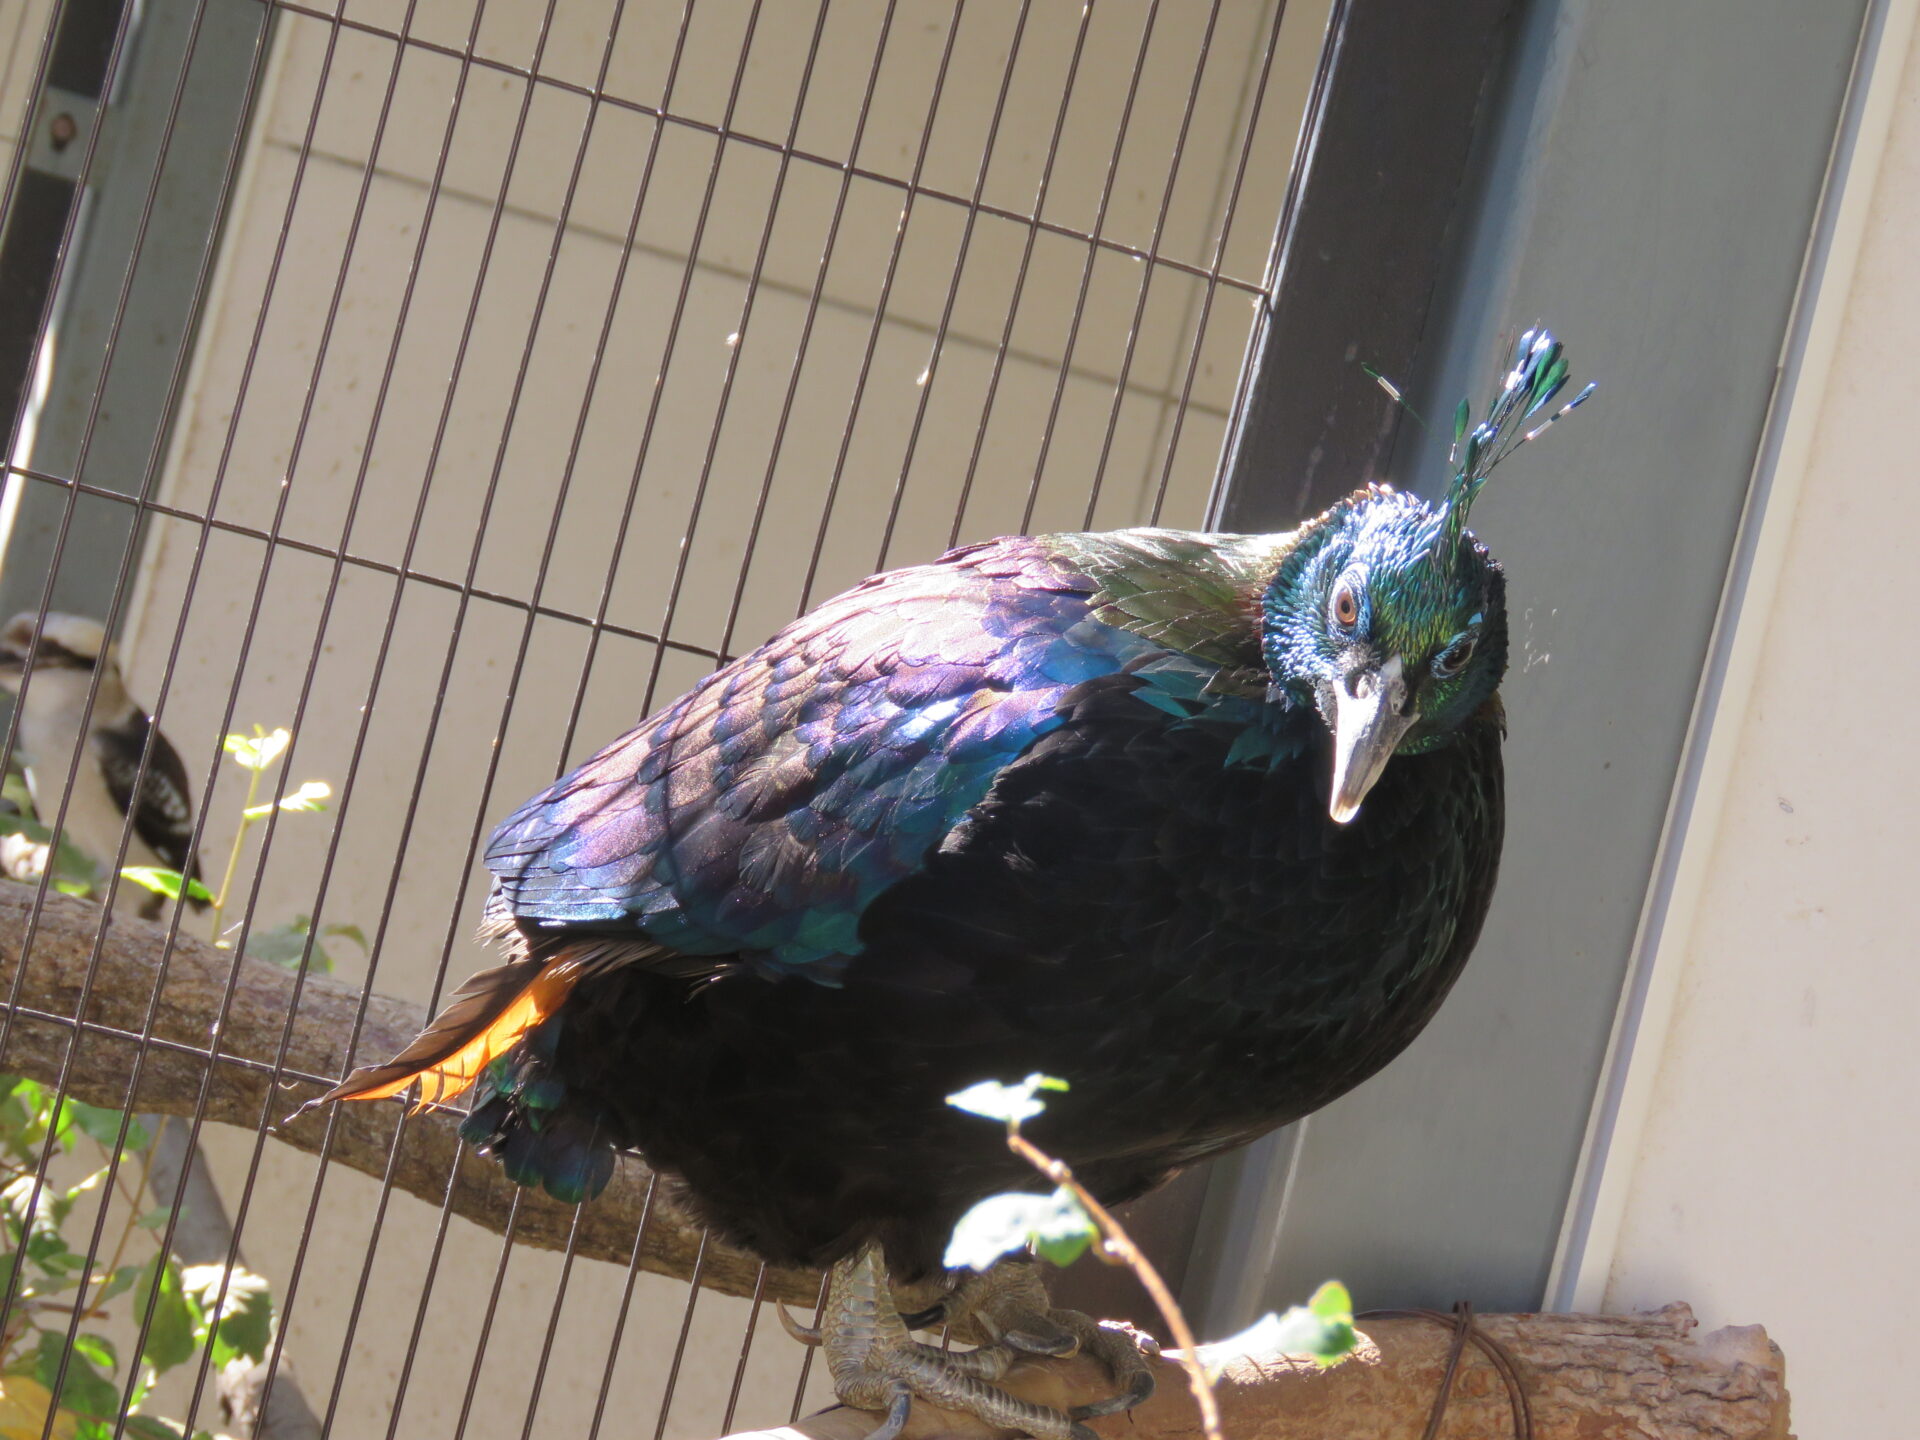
[[429, 213], [1085, 288], [686, 1326], [746, 1350], [597, 624], [672, 343], [1020, 280], [806, 1360], [830, 501], [553, 1323], [960, 267], [493, 1305], [806, 330], [1140, 303], [620, 1313], [17, 166], [1304, 145], [1212, 283]]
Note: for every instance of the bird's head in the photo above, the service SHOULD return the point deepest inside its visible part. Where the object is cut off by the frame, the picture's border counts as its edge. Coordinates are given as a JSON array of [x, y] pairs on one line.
[[68, 643], [1389, 618]]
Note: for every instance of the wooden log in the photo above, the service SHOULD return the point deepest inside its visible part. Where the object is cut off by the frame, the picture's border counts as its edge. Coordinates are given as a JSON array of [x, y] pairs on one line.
[[1588, 1377], [246, 1088]]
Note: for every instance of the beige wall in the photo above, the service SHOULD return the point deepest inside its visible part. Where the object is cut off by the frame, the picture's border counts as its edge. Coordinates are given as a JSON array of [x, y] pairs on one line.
[[21, 25], [496, 488], [1776, 1175]]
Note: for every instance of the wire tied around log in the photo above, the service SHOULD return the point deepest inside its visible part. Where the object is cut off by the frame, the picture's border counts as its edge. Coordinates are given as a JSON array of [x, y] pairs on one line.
[[1462, 1324]]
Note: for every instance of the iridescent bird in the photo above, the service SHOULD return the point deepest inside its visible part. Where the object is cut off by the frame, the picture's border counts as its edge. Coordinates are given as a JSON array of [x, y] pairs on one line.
[[1205, 824]]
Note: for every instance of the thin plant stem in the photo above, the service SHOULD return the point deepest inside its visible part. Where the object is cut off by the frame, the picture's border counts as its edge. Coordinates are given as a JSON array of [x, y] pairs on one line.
[[1118, 1245], [239, 843]]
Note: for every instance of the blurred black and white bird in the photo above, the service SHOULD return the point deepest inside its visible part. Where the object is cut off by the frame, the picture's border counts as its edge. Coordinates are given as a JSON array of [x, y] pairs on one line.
[[56, 676]]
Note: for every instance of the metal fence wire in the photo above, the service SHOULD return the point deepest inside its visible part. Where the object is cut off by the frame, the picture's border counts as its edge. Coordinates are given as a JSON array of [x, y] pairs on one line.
[[532, 357]]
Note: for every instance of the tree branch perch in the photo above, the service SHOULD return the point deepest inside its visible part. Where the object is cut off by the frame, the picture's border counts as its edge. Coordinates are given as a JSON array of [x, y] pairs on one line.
[[1635, 1377], [243, 1091]]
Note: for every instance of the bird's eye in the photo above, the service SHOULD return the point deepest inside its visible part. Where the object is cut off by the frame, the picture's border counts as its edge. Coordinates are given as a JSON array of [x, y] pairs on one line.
[[1346, 605], [1452, 660]]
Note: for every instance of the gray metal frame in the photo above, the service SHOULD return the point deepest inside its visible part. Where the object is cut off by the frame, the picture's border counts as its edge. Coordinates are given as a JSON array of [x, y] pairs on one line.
[[135, 411], [1649, 185]]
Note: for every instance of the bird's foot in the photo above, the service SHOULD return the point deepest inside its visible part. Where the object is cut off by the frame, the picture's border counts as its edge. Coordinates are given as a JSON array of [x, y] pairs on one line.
[[1008, 1305], [877, 1365]]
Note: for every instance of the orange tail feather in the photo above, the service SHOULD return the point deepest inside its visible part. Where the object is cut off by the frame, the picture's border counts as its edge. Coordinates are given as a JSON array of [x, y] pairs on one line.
[[484, 1018]]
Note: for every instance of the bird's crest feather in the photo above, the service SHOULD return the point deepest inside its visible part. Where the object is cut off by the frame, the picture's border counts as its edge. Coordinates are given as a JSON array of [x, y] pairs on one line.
[[1535, 375]]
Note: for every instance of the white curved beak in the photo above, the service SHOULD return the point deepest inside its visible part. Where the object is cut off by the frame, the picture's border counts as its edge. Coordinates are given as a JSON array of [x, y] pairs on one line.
[[1370, 716]]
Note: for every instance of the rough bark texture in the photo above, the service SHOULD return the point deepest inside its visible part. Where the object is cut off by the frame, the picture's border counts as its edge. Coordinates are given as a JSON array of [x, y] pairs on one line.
[[1589, 1377], [45, 998]]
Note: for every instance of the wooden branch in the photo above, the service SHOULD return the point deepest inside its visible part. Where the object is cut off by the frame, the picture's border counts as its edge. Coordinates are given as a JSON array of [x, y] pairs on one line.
[[243, 1091], [1636, 1377]]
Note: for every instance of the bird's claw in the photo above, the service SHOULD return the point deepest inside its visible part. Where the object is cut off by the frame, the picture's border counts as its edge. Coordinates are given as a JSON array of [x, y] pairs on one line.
[[805, 1334], [877, 1365], [1009, 1304]]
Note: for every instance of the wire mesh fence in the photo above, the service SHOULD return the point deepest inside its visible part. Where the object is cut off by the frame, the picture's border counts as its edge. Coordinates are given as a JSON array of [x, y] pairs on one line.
[[543, 356]]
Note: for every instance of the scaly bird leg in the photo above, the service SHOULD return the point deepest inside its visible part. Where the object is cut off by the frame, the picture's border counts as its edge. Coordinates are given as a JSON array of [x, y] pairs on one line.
[[877, 1365], [1008, 1305]]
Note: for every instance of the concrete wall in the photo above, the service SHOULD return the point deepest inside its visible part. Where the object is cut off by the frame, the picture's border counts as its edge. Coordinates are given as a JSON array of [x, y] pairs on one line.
[[1775, 1175]]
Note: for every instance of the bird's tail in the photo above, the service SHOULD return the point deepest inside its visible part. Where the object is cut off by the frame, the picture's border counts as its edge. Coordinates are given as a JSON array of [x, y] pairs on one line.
[[481, 1023], [523, 1116]]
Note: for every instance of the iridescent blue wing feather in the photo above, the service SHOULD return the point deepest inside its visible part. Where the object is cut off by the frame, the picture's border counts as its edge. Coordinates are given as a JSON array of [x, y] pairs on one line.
[[760, 814]]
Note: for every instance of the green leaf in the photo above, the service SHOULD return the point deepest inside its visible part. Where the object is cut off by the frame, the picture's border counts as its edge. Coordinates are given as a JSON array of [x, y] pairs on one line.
[[64, 1202], [308, 797], [1010, 1103], [83, 1390], [1332, 1302], [98, 1350], [1057, 1227], [1322, 1329], [13, 823], [1461, 417], [282, 945], [165, 882], [152, 1427], [118, 1283], [155, 1219], [347, 932], [260, 749], [103, 1125], [244, 1323], [14, 791], [170, 1338]]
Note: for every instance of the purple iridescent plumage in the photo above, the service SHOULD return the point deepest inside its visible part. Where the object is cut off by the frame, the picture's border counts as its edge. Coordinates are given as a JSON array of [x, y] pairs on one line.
[[760, 814]]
